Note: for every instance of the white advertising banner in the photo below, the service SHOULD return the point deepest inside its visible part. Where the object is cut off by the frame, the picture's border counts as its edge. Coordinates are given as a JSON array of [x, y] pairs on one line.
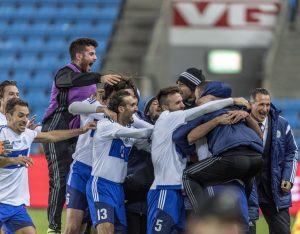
[[233, 23]]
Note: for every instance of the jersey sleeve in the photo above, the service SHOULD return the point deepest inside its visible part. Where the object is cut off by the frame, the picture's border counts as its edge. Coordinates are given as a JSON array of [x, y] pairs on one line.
[[106, 129], [143, 144], [207, 108], [31, 134], [133, 133], [140, 123], [66, 78], [180, 136], [85, 107]]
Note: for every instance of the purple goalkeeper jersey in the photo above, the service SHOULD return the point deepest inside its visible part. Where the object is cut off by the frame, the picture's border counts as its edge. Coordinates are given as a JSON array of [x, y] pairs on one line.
[[62, 97]]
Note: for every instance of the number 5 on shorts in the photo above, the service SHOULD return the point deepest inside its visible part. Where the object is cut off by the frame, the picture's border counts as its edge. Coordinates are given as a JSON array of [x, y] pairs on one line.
[[158, 225]]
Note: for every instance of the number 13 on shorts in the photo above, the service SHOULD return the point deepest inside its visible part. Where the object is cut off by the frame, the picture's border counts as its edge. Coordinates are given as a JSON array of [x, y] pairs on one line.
[[102, 214]]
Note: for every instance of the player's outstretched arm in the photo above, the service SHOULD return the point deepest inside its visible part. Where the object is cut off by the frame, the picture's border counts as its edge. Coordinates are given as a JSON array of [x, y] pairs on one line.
[[214, 106], [60, 135], [66, 78], [83, 108], [208, 107], [133, 133], [139, 123]]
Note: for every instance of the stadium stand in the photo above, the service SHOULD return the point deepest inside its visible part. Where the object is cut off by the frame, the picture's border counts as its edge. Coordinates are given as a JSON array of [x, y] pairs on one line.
[[34, 39]]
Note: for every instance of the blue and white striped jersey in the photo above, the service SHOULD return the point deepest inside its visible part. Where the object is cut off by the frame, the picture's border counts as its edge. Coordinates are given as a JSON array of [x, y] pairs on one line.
[[14, 179], [111, 147], [167, 159], [84, 146]]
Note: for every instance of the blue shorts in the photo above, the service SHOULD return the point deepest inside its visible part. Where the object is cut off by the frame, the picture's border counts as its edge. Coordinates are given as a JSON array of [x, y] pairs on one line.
[[13, 218], [166, 213], [106, 203], [76, 186]]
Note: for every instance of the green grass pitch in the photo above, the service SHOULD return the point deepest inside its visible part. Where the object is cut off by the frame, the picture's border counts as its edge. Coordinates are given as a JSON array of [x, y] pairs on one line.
[[39, 217]]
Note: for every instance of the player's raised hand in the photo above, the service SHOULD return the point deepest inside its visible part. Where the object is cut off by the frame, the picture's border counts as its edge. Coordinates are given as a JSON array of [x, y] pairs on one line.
[[110, 114], [224, 119], [241, 102], [22, 160], [31, 125], [110, 79], [237, 115], [286, 186], [89, 126], [2, 152]]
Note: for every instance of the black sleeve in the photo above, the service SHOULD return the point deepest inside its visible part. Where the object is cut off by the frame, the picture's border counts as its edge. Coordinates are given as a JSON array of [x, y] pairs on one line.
[[66, 78]]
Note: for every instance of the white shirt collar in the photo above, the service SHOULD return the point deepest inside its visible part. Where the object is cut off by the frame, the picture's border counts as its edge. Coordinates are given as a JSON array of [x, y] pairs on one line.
[[265, 122]]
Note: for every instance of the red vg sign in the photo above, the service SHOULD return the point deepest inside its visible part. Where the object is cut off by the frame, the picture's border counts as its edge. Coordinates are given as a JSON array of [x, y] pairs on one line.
[[225, 14]]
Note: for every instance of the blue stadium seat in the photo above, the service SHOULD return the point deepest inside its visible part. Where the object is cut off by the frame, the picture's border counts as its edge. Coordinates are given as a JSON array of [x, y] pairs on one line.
[[34, 38], [23, 79], [25, 62], [34, 45], [293, 117], [43, 74], [7, 12], [36, 97], [44, 83], [56, 45], [26, 12], [49, 63], [287, 104], [7, 62]]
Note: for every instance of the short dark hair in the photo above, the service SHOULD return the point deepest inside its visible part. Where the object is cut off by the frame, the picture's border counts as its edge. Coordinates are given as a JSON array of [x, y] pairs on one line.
[[5, 84], [12, 103], [256, 91], [79, 45], [117, 99], [165, 92], [125, 83]]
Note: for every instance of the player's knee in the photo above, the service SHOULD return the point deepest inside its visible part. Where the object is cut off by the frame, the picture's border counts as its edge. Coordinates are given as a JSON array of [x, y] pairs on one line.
[[72, 227], [105, 228], [26, 230]]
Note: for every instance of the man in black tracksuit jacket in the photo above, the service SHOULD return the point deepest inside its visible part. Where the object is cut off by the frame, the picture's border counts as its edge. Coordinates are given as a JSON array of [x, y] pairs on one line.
[[73, 82]]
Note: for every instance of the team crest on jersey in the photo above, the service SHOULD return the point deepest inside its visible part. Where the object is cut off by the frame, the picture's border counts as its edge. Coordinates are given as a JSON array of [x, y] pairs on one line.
[[16, 143], [278, 134], [126, 140]]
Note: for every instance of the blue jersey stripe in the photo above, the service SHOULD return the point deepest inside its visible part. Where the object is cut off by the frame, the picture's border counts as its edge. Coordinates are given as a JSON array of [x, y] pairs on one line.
[[119, 150], [2, 127], [93, 130], [17, 153], [91, 101]]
